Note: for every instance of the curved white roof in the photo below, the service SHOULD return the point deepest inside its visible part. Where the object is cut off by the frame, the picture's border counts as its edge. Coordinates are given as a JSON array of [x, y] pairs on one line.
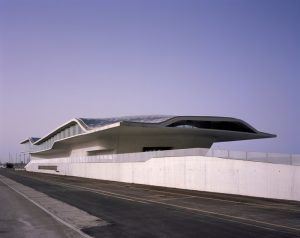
[[196, 122]]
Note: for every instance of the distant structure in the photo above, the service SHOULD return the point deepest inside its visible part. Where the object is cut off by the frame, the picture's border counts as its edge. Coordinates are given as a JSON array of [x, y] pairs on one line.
[[93, 136]]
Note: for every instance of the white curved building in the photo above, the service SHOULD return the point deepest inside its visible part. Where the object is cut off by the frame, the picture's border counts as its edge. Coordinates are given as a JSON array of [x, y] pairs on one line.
[[92, 136]]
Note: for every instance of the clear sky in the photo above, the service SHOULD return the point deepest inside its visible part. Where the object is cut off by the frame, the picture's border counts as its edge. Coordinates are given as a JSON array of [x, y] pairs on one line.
[[65, 59]]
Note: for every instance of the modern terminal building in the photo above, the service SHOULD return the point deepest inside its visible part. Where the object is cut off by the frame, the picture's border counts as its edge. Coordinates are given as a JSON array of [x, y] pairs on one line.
[[90, 136], [170, 151]]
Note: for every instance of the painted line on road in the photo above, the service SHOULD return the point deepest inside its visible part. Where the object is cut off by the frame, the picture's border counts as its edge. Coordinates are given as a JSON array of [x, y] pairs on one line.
[[102, 192], [271, 206], [47, 211], [178, 198]]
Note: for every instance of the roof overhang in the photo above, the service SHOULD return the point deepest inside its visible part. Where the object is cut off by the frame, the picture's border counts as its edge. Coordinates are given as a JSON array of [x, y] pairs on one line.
[[135, 129]]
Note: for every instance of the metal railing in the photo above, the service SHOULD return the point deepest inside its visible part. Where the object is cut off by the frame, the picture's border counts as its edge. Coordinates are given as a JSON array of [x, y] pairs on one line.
[[275, 158]]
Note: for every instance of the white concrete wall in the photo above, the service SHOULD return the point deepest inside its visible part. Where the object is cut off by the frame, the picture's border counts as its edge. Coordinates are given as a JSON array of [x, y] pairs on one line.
[[81, 149], [193, 172]]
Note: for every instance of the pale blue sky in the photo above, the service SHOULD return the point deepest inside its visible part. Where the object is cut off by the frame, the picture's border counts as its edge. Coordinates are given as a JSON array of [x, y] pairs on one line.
[[65, 59]]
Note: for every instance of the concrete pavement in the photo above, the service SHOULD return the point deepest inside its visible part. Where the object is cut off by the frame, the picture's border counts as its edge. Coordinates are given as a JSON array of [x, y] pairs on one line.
[[19, 218]]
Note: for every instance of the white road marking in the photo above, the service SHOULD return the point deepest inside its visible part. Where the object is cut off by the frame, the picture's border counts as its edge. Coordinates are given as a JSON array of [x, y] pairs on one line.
[[178, 198], [102, 192], [275, 206]]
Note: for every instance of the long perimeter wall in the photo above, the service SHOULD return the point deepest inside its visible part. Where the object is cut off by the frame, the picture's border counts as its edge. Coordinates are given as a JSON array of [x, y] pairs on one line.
[[191, 172]]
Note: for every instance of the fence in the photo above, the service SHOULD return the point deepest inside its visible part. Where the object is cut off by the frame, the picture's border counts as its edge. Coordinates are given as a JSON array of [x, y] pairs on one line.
[[275, 158]]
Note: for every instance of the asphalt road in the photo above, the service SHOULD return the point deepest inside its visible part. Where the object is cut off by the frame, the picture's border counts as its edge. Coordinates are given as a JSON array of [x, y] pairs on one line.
[[146, 211]]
